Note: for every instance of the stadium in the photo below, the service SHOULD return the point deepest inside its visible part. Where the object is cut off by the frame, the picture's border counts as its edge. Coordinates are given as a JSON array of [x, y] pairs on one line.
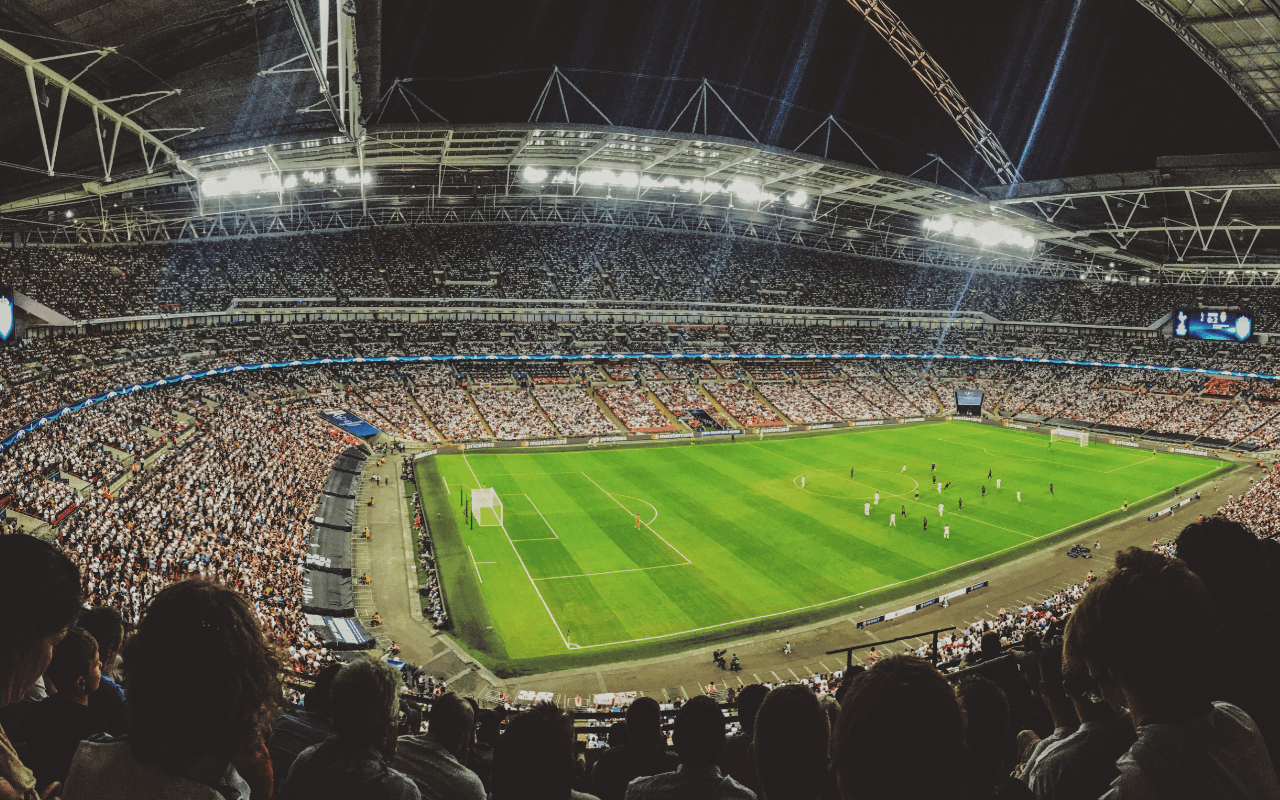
[[706, 385]]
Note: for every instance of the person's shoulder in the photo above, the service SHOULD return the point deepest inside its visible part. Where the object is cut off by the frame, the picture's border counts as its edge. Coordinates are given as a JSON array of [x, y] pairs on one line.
[[399, 786], [731, 788]]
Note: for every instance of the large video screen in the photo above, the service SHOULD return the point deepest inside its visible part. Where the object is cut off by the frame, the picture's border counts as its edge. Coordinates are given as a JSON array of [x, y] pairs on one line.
[[8, 315], [1218, 325], [968, 397]]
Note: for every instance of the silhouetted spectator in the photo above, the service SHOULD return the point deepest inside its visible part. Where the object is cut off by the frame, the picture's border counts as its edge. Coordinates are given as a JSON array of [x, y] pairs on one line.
[[488, 728], [63, 719], [988, 743], [435, 760], [1056, 701], [534, 758], [1083, 764], [899, 722], [1233, 564], [790, 745], [39, 599], [354, 761], [1124, 629], [698, 737], [106, 627], [644, 752], [297, 729], [736, 759], [228, 673]]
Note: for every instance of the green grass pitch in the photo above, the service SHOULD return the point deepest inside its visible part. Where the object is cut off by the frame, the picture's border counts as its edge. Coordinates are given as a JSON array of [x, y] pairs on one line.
[[728, 537]]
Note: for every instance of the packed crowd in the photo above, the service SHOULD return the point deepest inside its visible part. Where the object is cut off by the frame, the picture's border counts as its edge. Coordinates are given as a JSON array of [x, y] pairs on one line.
[[634, 409], [743, 405], [573, 412], [1075, 697], [459, 263], [511, 413]]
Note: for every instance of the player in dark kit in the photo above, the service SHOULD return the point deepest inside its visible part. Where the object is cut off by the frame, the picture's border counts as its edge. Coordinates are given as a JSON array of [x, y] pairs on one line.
[[1051, 488], [984, 490], [960, 504], [904, 511], [988, 472], [926, 524]]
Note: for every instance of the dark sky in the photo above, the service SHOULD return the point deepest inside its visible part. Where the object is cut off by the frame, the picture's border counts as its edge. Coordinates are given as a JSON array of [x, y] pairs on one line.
[[1071, 87]]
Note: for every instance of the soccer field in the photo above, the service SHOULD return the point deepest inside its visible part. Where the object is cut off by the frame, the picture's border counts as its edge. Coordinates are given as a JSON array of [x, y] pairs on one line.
[[735, 535]]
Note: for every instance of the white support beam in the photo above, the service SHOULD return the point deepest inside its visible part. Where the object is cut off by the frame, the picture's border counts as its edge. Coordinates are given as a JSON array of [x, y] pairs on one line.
[[34, 67]]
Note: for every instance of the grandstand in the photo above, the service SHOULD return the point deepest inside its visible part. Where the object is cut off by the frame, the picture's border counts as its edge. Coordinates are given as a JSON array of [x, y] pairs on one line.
[[270, 325]]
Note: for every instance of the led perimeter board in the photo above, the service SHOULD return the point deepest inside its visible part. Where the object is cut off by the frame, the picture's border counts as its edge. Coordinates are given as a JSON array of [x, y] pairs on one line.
[[1214, 324]]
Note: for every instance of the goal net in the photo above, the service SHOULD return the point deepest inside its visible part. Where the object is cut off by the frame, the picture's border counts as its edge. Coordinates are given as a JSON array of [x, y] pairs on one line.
[[1066, 434], [486, 507]]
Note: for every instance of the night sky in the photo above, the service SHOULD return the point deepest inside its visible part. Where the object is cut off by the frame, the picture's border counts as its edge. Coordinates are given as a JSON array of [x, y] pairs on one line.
[[1071, 87]]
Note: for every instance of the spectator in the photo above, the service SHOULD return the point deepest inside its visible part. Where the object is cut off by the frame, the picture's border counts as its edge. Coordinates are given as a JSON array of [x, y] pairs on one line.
[[488, 728], [435, 760], [790, 745], [899, 721], [1187, 746], [534, 759], [353, 762], [645, 752], [987, 741], [1083, 764], [63, 719], [698, 738], [1056, 701], [297, 729], [229, 674], [106, 627], [1232, 562], [39, 599], [736, 759]]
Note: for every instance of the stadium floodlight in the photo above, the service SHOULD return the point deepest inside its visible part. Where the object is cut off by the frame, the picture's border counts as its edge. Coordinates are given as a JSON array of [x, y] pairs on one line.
[[534, 174], [798, 198], [743, 190], [988, 234], [240, 181]]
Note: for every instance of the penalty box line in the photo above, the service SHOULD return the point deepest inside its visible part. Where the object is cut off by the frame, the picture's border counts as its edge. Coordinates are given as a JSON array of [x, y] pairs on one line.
[[642, 522], [523, 566]]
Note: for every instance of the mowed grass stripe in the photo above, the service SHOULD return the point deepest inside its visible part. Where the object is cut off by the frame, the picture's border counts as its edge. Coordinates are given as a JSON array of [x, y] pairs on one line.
[[758, 543]]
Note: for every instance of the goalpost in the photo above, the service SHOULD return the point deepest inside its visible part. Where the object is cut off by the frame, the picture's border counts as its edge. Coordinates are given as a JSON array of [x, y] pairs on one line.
[[1066, 434], [487, 507]]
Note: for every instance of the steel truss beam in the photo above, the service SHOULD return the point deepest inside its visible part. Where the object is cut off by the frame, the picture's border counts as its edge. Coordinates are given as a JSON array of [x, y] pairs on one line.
[[882, 244], [983, 140], [102, 112], [345, 104], [1190, 34], [1199, 228]]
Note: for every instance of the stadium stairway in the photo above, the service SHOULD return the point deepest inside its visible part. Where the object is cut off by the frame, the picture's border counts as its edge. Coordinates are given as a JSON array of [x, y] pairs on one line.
[[608, 412], [666, 412], [483, 422], [772, 408], [1227, 408], [534, 399], [413, 401], [716, 405]]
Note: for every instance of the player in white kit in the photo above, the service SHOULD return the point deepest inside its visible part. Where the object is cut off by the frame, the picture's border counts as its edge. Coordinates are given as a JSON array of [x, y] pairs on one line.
[[801, 481], [893, 520], [946, 531], [997, 483], [866, 509], [939, 487], [877, 498], [1019, 497], [939, 509], [904, 467]]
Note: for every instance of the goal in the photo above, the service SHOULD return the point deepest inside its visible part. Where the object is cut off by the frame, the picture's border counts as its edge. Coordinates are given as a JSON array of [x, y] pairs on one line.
[[1066, 434], [486, 507]]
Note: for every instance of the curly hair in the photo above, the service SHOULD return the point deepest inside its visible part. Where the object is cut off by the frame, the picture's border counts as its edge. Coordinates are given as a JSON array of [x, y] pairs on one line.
[[200, 678]]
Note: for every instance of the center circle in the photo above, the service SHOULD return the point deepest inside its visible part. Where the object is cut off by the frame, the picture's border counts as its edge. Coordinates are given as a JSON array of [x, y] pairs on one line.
[[862, 486]]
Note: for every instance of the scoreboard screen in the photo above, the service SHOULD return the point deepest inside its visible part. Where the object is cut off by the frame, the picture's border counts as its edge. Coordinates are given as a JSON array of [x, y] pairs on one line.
[[968, 397], [8, 315], [1216, 324]]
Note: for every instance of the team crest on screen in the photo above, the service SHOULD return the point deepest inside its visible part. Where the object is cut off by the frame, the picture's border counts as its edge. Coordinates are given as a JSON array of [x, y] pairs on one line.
[[6, 318]]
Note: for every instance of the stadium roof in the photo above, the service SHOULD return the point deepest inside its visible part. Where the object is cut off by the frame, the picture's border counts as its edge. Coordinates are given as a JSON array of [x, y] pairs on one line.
[[1240, 40], [181, 94]]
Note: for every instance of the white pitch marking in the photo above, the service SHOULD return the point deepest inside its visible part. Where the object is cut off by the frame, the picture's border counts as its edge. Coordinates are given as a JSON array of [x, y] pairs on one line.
[[475, 563], [544, 519], [642, 522]]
